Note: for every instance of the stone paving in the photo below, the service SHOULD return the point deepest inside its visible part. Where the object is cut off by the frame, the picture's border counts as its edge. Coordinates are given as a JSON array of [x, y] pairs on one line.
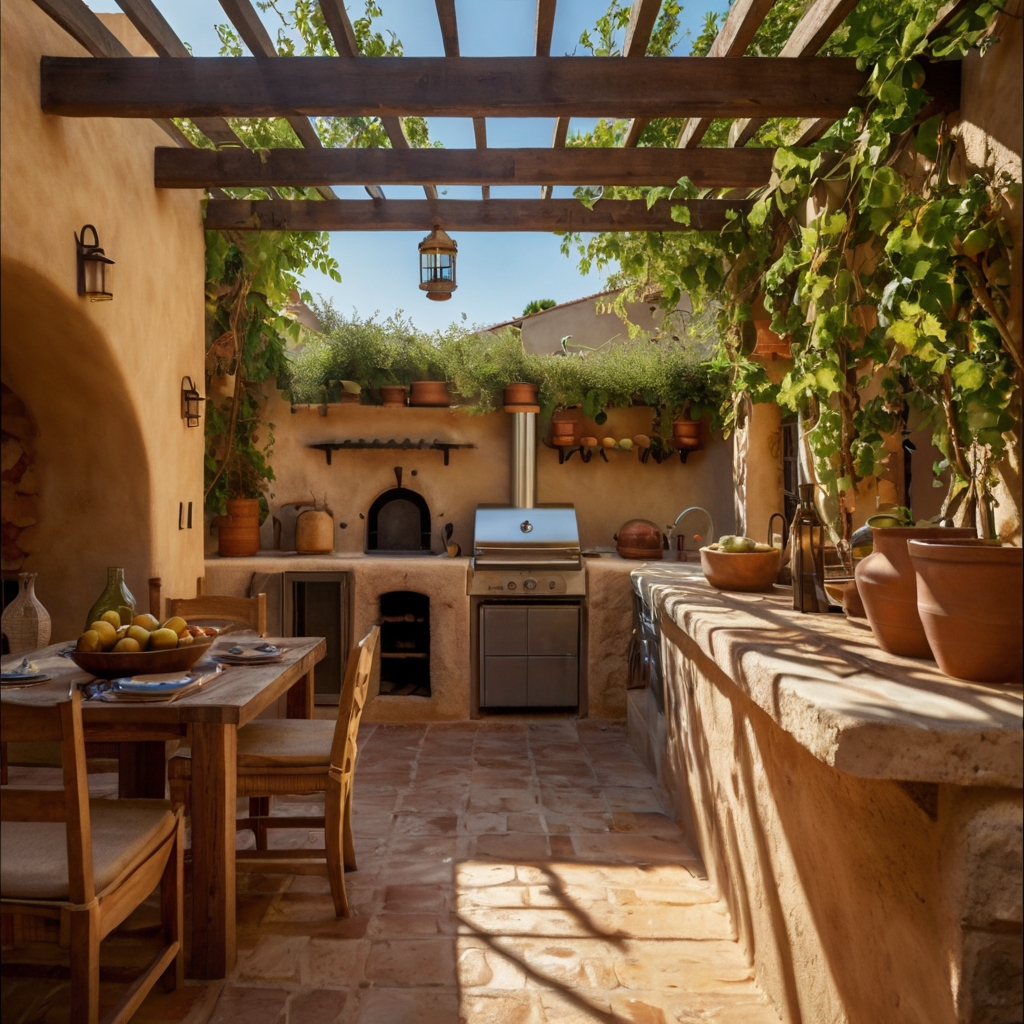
[[510, 872]]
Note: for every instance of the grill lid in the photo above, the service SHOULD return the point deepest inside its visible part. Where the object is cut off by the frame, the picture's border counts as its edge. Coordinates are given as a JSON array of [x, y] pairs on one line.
[[545, 535]]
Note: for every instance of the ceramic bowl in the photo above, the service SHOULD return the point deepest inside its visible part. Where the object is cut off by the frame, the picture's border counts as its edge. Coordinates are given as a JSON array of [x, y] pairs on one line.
[[752, 570], [111, 665]]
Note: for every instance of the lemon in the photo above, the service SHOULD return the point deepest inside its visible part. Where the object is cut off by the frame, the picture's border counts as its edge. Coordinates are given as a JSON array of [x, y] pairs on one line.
[[89, 642], [140, 635], [176, 623], [129, 645], [112, 617], [107, 633], [163, 639], [147, 622]]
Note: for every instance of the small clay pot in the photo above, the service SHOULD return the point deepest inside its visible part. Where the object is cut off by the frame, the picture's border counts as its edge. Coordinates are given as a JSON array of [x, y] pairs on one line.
[[239, 531], [314, 532], [969, 600], [743, 571], [520, 394], [429, 392], [639, 539], [393, 395], [686, 430], [565, 426], [888, 587]]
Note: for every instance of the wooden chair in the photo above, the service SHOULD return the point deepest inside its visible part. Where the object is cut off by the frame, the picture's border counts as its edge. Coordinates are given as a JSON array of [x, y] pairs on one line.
[[72, 869], [251, 611], [300, 755]]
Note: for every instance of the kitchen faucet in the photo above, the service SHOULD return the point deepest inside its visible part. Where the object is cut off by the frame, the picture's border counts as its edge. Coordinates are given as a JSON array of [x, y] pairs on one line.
[[682, 515]]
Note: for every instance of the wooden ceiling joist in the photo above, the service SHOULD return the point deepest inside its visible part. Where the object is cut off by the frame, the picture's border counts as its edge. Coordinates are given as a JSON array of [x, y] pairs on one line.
[[90, 33], [298, 168], [819, 21], [439, 87], [552, 215], [745, 17]]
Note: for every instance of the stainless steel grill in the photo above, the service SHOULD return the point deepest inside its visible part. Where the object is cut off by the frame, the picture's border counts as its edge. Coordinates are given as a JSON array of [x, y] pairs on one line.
[[527, 551]]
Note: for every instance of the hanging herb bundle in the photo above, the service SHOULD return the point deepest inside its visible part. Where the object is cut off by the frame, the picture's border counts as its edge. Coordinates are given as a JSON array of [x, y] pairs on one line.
[[883, 262]]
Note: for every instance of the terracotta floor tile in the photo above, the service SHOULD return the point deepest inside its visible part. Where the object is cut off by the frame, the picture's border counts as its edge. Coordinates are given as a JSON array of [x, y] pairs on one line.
[[416, 1006], [651, 823], [275, 958], [500, 1009], [241, 1005], [633, 847], [513, 845], [317, 1006], [334, 963], [426, 824], [411, 963], [388, 925]]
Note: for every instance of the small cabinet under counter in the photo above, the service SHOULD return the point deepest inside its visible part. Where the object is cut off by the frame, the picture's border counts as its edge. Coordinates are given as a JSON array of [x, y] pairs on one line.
[[529, 655]]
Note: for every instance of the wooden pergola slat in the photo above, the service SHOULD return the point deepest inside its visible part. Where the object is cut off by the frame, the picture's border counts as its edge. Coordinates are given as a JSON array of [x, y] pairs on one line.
[[819, 21], [745, 17], [551, 215], [545, 27], [89, 32], [298, 168], [440, 87], [642, 18]]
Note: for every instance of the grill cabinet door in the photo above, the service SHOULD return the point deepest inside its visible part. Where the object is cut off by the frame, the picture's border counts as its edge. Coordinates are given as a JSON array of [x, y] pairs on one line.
[[552, 682], [554, 631], [505, 682], [505, 631]]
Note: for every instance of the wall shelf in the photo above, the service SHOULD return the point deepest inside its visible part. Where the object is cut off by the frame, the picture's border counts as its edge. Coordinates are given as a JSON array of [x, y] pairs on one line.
[[565, 452], [392, 444]]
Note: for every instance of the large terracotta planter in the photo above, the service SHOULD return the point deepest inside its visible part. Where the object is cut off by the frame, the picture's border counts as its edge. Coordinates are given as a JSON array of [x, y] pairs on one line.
[[969, 600], [429, 392], [520, 394], [888, 588], [239, 530]]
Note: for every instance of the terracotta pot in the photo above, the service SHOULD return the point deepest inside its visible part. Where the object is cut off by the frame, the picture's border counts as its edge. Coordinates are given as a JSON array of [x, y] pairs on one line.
[[429, 392], [393, 395], [239, 530], [640, 539], [688, 430], [969, 600], [888, 589], [520, 394], [770, 345], [314, 532], [744, 571], [565, 426]]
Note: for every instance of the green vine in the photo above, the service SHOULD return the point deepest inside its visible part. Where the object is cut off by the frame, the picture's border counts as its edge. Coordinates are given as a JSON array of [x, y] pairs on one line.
[[884, 263]]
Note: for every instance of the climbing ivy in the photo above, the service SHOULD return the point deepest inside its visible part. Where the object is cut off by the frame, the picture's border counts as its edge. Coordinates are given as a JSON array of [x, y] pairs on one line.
[[884, 262]]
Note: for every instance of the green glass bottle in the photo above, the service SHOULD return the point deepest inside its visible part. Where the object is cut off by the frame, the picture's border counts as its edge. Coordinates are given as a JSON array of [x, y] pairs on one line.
[[115, 597]]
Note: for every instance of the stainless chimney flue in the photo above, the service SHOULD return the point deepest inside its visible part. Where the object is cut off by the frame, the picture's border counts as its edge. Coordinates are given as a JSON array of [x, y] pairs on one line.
[[524, 459]]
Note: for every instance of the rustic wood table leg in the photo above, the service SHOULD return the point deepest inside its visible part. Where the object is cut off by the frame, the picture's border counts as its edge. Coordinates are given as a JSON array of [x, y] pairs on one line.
[[300, 697], [214, 750], [142, 770]]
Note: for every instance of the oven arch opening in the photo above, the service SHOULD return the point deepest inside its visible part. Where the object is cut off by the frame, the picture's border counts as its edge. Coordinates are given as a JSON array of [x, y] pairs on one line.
[[399, 520], [405, 643]]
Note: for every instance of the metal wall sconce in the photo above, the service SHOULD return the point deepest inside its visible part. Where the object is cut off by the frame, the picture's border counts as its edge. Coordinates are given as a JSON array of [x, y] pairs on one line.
[[191, 402], [437, 265], [92, 268]]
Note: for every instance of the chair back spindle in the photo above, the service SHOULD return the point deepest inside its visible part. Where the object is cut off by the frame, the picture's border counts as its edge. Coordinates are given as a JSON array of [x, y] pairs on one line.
[[344, 748]]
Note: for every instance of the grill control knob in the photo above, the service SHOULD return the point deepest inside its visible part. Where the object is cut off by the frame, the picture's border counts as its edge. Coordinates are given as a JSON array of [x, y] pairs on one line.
[[526, 526], [530, 584], [512, 585], [551, 584]]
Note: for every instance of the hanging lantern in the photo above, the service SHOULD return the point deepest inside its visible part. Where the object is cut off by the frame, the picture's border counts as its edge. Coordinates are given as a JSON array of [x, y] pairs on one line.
[[92, 268], [437, 265]]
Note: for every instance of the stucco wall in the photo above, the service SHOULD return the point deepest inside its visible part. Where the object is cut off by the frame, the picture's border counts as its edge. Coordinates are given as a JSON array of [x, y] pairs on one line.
[[101, 381], [605, 494]]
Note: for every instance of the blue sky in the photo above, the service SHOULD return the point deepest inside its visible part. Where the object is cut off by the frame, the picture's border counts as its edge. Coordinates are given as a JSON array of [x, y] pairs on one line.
[[498, 273]]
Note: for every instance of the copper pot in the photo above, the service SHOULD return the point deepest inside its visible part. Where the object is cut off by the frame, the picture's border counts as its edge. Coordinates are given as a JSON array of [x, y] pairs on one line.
[[640, 539]]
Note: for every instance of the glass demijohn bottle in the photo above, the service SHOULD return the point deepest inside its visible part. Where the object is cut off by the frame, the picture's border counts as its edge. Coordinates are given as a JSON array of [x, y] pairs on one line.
[[807, 554], [115, 597]]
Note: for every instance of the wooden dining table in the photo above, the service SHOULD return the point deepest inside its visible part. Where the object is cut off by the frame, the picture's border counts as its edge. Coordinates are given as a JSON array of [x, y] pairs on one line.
[[208, 720]]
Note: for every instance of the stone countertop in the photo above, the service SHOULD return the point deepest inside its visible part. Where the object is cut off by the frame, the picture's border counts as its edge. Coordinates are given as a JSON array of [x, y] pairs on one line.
[[824, 680]]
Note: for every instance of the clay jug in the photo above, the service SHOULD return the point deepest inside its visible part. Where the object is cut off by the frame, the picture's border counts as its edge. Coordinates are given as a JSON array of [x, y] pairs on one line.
[[888, 587], [969, 600], [239, 530], [314, 532]]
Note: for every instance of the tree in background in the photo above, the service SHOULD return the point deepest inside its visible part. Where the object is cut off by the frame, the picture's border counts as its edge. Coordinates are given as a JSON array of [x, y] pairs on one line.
[[538, 305]]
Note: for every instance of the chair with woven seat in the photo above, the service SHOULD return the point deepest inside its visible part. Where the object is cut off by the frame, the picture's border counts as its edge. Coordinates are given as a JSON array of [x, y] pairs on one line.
[[72, 869], [298, 756]]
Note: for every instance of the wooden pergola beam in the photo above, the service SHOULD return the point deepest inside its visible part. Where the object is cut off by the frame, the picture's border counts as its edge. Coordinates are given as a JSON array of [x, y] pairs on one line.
[[745, 17], [545, 27], [298, 168], [551, 215], [642, 17], [442, 87], [92, 35]]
